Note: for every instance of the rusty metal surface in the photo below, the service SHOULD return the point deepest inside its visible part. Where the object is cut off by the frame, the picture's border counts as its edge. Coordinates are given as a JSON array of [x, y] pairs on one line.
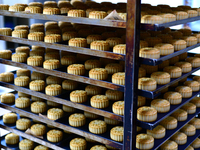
[[63, 101], [64, 75], [132, 66], [32, 138], [77, 131], [81, 20], [62, 47]]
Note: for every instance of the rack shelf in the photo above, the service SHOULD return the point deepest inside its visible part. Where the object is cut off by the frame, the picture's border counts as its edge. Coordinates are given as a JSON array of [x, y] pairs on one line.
[[61, 99], [157, 92], [81, 20], [161, 116], [62, 47], [104, 138], [65, 75], [170, 133]]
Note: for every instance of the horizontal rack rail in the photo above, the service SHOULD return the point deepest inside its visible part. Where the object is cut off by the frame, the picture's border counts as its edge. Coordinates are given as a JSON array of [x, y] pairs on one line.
[[63, 47], [30, 137], [65, 75], [154, 62], [170, 133], [157, 92], [60, 100], [82, 132], [81, 20]]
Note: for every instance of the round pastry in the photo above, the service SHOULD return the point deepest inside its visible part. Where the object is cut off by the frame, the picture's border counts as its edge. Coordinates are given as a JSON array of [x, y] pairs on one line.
[[118, 108], [37, 76], [93, 90], [38, 129], [53, 31], [77, 120], [196, 143], [189, 148], [180, 115], [9, 118], [76, 13], [78, 144], [77, 69], [33, 9], [51, 11], [197, 35], [195, 61], [190, 40], [16, 8], [149, 69], [35, 61], [53, 89], [165, 49], [168, 17], [69, 35], [68, 109], [26, 144], [146, 114], [158, 132], [51, 64], [169, 145], [152, 41], [41, 147], [5, 54], [20, 94], [20, 33], [52, 38], [174, 71], [169, 123], [144, 141], [114, 41], [180, 138], [39, 4], [111, 121], [161, 105], [114, 68], [53, 80], [142, 72], [192, 13], [38, 107], [52, 104], [23, 72], [12, 138], [92, 63], [99, 101], [177, 35], [143, 44], [51, 25], [37, 53], [54, 135], [117, 133], [90, 115], [189, 130], [196, 78], [100, 45], [6, 77], [114, 95], [23, 124], [98, 73], [36, 36], [22, 102], [97, 14], [183, 56], [196, 101], [101, 147], [35, 47], [4, 7], [148, 52], [195, 122], [37, 85], [185, 66], [173, 97], [78, 96], [178, 44], [19, 57], [6, 31], [173, 60], [78, 42], [185, 91], [189, 107], [148, 84], [54, 113], [34, 98], [181, 15], [161, 77], [97, 126], [186, 31], [152, 19], [118, 78], [22, 81], [69, 85], [68, 60], [141, 101], [7, 98], [194, 85]]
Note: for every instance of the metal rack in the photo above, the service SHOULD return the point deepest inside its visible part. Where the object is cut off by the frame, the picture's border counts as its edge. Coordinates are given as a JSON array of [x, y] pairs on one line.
[[131, 74]]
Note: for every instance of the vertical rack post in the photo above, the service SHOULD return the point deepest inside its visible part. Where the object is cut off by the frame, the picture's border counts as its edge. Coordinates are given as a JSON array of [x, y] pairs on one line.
[[131, 73]]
